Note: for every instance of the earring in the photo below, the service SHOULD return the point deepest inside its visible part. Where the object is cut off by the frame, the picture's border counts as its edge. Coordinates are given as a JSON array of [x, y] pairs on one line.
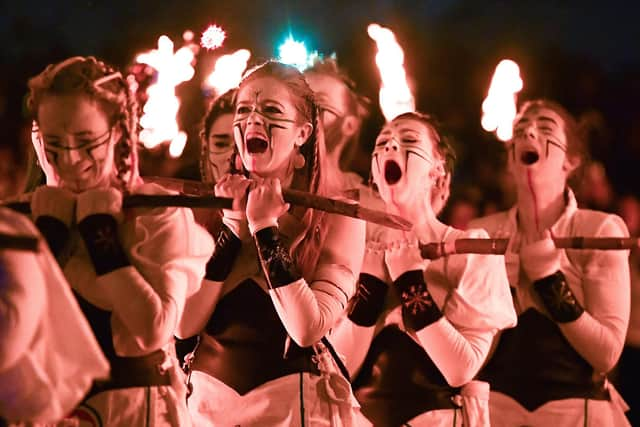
[[298, 160]]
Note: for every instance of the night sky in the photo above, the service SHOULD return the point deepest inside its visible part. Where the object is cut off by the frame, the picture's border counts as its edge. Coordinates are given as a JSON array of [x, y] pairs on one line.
[[585, 54]]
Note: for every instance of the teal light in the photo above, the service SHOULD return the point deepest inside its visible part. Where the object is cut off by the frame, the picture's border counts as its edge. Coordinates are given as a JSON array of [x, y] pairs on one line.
[[294, 52]]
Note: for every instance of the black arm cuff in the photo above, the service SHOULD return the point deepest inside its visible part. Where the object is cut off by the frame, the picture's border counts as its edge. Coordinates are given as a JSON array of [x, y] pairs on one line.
[[557, 298], [418, 307], [55, 232], [224, 254], [100, 235], [277, 265], [368, 302]]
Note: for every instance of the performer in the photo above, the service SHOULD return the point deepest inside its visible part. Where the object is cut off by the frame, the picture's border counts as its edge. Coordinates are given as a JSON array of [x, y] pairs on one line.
[[573, 305], [131, 271], [216, 157], [417, 332], [216, 138], [342, 111], [279, 277], [48, 354]]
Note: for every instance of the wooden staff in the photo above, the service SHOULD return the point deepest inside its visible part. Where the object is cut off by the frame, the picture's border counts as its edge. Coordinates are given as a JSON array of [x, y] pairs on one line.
[[151, 201], [499, 246], [197, 194], [19, 243], [298, 198]]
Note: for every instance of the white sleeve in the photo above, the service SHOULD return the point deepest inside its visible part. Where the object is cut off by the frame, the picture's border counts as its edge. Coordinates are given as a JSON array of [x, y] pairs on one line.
[[599, 333], [477, 307], [22, 302], [308, 311], [168, 252]]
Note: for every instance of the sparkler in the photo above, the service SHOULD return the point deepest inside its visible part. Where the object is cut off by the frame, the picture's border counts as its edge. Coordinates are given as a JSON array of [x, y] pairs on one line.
[[212, 37], [499, 107], [395, 96]]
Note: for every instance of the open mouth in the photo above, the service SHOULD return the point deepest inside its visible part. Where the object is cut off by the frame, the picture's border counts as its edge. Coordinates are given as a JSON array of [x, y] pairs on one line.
[[392, 172], [529, 157], [257, 145]]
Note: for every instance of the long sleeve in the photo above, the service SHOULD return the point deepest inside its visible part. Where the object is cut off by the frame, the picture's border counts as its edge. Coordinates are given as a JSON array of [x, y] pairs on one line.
[[598, 334], [474, 292], [22, 302], [308, 309], [168, 252]]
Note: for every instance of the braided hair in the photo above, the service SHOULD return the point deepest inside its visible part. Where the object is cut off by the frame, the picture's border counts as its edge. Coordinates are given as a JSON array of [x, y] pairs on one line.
[[312, 176], [102, 83]]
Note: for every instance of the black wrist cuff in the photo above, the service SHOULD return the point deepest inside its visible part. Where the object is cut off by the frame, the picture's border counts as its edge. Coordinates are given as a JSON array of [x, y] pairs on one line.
[[418, 307], [558, 298], [55, 232], [224, 254], [277, 265], [100, 235], [368, 302]]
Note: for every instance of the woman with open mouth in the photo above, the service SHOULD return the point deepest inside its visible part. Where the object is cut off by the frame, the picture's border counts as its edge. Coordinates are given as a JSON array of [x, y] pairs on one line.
[[573, 305], [131, 270], [417, 332], [279, 277]]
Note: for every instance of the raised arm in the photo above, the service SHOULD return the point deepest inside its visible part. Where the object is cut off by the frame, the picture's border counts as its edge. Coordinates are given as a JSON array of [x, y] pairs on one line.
[[596, 326]]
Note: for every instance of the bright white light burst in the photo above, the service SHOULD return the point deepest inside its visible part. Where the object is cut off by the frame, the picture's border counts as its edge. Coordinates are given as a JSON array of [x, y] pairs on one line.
[[212, 37]]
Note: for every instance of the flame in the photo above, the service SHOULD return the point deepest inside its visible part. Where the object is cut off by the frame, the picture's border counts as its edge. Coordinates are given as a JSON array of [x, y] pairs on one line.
[[212, 37], [159, 119], [227, 71], [499, 107], [177, 144], [395, 96]]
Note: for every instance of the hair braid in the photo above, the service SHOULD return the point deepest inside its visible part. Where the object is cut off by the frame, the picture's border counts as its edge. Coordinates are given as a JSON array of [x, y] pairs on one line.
[[105, 85]]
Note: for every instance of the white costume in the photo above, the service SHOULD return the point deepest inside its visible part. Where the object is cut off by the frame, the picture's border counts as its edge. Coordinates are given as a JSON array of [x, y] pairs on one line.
[[259, 362], [413, 377], [548, 373], [134, 311], [48, 354]]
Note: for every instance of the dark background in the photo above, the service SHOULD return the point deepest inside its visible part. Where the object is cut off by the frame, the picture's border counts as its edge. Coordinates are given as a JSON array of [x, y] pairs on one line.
[[585, 54]]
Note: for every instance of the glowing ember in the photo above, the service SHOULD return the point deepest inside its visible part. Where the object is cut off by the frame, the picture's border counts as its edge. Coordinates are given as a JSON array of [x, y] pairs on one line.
[[160, 111], [212, 37], [499, 107], [395, 96], [227, 71]]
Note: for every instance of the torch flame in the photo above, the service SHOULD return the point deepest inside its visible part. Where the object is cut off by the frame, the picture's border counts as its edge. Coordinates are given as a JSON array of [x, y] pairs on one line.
[[499, 107], [160, 111], [395, 96], [212, 37], [227, 71]]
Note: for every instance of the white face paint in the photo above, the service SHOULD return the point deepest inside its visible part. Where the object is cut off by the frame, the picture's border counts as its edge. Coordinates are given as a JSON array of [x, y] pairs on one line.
[[403, 162], [266, 126], [219, 148], [76, 142], [539, 145]]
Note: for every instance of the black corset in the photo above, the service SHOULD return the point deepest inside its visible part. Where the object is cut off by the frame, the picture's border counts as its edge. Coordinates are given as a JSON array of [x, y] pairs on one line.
[[534, 364], [398, 381], [244, 342]]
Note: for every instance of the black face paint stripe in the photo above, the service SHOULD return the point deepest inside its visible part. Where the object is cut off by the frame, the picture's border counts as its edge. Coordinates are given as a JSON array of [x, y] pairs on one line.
[[376, 158], [239, 126], [419, 155]]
